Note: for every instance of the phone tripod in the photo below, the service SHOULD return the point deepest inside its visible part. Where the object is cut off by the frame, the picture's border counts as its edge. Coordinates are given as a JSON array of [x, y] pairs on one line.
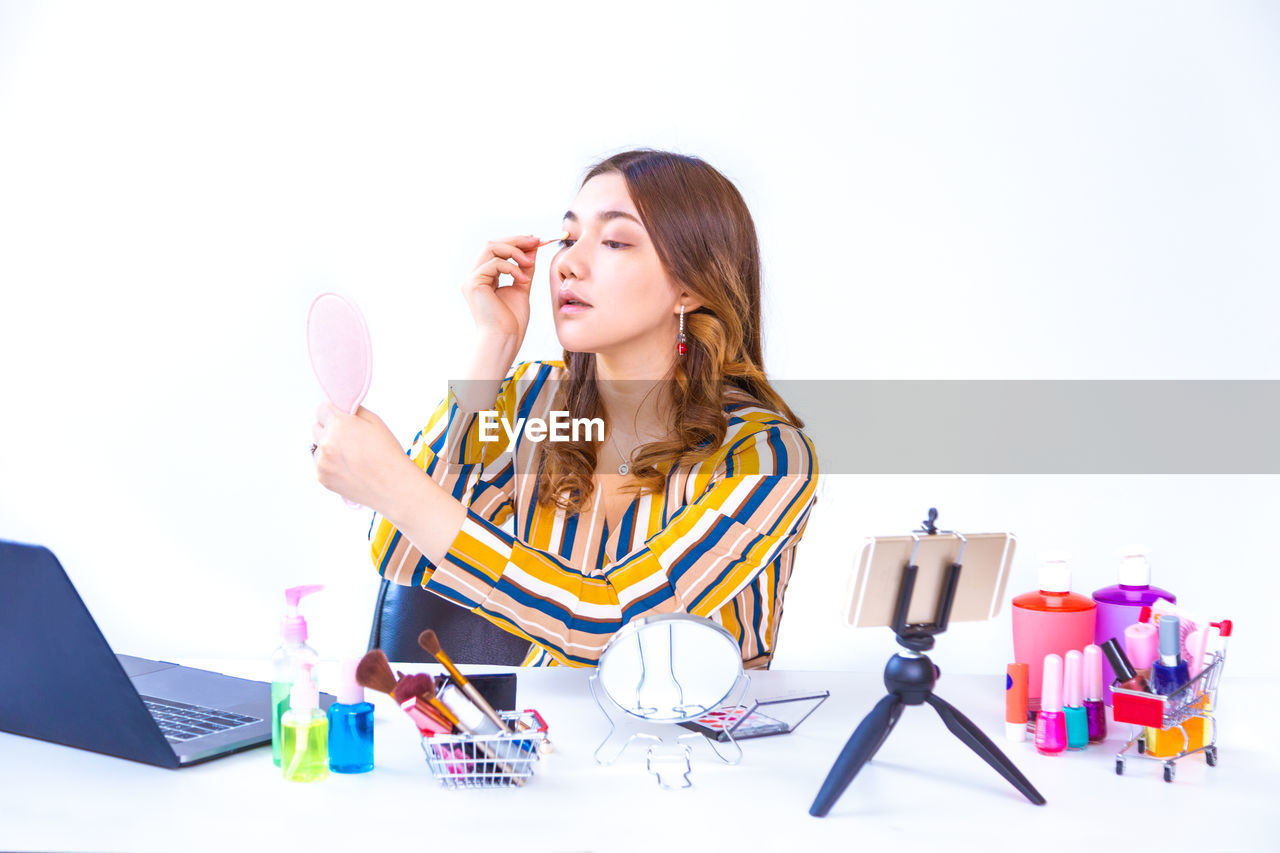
[[910, 678]]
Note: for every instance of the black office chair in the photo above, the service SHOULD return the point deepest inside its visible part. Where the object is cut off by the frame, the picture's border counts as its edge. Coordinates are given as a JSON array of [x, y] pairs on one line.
[[404, 612]]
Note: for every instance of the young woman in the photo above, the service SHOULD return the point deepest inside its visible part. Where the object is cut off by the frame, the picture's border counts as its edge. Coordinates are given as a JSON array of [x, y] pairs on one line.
[[700, 489]]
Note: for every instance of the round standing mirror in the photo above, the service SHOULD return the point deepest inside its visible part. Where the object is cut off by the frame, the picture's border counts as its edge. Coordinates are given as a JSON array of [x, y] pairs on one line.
[[670, 668]]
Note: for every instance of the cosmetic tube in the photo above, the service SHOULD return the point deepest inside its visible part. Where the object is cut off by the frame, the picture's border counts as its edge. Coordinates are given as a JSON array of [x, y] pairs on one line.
[[1126, 677], [1073, 702], [1197, 648], [1187, 622], [1142, 645], [1015, 702], [1094, 708], [1051, 727]]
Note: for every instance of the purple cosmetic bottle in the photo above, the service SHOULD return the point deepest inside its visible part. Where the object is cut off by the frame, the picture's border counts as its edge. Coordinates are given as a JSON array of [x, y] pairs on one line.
[[1094, 709], [1051, 723], [1119, 605]]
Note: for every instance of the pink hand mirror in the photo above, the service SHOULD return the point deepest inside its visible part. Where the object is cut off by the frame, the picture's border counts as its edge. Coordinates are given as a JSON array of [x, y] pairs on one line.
[[341, 354]]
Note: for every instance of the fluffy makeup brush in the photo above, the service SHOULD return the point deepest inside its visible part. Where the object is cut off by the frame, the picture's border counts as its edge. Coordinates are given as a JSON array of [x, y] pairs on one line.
[[413, 686], [427, 639], [415, 692], [374, 672]]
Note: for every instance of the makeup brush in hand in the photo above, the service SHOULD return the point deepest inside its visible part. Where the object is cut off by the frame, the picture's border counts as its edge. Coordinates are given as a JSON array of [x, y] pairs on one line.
[[427, 639]]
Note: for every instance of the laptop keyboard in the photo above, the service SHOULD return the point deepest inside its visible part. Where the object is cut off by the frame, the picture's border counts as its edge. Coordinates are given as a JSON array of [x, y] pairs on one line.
[[181, 722]]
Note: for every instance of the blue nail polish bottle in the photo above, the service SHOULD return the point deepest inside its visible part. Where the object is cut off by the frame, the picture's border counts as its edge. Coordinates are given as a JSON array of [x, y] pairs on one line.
[[1169, 671]]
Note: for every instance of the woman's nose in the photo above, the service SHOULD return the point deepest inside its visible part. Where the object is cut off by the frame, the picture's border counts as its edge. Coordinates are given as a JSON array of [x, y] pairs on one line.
[[571, 263]]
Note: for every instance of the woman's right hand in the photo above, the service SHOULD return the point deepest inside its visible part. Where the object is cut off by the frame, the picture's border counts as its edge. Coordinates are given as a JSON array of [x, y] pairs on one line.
[[502, 313]]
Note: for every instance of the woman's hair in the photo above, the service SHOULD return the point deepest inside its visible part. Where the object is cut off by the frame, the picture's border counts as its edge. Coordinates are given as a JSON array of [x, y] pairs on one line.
[[706, 242]]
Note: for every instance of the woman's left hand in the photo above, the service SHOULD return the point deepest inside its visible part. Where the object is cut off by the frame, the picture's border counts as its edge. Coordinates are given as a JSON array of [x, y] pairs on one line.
[[358, 457]]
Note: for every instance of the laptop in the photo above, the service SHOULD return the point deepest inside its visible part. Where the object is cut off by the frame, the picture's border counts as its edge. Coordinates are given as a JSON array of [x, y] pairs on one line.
[[60, 681]]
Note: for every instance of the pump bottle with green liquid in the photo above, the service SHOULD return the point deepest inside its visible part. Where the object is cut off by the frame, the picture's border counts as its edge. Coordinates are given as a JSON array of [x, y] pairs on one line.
[[304, 733], [288, 660]]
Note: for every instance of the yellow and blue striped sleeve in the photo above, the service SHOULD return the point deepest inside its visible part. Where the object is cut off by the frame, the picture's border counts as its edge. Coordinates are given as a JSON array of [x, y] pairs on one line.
[[755, 506], [476, 473]]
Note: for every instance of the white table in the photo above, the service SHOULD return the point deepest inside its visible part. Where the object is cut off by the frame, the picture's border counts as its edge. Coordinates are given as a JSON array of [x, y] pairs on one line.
[[924, 787]]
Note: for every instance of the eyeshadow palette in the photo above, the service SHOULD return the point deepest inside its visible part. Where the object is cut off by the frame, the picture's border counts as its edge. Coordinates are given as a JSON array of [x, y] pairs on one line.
[[739, 722]]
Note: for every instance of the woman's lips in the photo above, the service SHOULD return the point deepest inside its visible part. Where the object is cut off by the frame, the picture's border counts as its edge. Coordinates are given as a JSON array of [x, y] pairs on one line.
[[574, 308]]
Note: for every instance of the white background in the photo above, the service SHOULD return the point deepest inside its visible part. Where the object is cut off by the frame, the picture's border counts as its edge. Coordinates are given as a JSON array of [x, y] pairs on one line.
[[977, 190]]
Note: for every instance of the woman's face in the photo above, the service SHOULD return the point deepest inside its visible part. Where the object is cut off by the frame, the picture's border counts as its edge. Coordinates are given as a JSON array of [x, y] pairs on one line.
[[609, 263]]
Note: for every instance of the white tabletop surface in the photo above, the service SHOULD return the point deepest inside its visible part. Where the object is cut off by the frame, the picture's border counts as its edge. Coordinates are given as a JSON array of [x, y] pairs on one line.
[[924, 787]]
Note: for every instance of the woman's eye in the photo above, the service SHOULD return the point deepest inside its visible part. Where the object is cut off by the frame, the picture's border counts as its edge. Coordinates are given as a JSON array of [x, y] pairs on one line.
[[614, 244], [564, 244]]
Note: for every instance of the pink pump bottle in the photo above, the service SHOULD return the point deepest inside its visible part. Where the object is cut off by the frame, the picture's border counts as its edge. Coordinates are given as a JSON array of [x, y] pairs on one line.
[[1051, 621], [1051, 723]]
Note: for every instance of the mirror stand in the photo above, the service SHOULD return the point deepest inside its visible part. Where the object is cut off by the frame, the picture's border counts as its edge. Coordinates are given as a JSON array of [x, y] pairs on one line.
[[666, 757]]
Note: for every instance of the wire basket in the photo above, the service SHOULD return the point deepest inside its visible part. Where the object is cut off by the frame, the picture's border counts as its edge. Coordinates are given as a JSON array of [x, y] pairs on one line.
[[1186, 714], [500, 760]]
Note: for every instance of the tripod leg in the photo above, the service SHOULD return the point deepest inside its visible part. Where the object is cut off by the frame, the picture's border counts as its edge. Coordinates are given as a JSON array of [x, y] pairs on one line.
[[894, 713], [864, 742], [972, 737]]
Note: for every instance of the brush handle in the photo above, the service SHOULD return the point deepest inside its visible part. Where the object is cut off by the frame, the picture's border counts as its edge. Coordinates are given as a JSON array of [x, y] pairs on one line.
[[443, 710], [488, 753], [469, 690]]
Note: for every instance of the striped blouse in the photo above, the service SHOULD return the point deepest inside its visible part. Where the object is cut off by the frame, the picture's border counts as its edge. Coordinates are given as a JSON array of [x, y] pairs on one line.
[[719, 542]]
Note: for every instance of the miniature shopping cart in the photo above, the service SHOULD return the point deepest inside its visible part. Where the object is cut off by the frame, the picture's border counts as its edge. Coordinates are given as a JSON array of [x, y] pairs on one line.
[[1185, 715], [499, 760]]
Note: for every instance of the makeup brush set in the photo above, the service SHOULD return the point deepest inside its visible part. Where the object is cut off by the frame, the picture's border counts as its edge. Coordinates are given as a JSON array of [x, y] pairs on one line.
[[468, 744]]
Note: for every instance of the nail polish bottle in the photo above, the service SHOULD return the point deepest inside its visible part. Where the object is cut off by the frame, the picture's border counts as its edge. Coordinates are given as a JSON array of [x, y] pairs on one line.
[[1051, 726], [1169, 671], [1126, 677], [1094, 708], [1073, 702]]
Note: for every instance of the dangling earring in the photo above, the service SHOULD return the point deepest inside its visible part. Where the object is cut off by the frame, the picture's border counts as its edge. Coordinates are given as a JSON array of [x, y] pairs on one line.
[[680, 345]]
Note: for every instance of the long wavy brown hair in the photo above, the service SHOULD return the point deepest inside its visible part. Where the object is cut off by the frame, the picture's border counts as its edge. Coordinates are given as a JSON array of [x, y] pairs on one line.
[[706, 242]]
